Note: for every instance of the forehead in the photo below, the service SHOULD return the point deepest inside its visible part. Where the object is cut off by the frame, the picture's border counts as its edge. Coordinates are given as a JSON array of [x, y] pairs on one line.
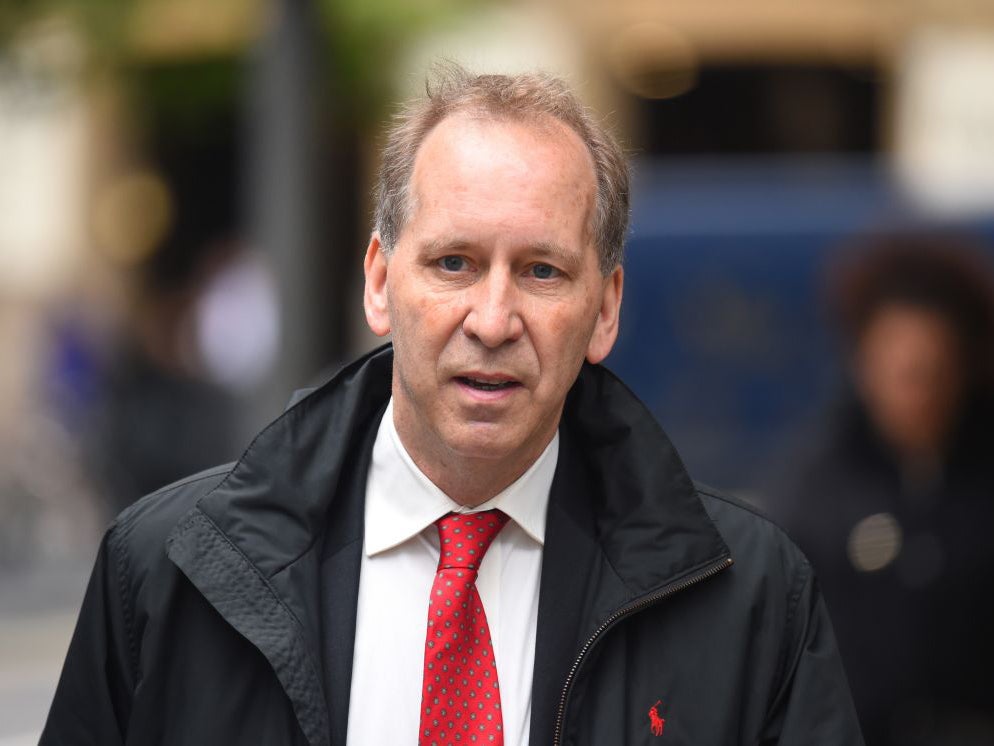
[[913, 315], [536, 166]]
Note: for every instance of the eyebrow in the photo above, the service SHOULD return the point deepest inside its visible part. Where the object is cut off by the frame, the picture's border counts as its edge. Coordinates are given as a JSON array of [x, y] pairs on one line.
[[566, 258], [439, 246]]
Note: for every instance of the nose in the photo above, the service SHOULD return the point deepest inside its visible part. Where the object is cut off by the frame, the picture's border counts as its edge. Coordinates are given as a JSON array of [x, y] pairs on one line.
[[494, 315]]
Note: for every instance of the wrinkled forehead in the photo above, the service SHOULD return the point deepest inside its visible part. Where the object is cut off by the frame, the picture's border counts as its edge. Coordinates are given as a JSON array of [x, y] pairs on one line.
[[533, 146]]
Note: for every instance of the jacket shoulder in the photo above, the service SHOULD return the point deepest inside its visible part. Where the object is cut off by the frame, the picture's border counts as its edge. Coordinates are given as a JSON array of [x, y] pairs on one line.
[[139, 532], [809, 700], [755, 540]]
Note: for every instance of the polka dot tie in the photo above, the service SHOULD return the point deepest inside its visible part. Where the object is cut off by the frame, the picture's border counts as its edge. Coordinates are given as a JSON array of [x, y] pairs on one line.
[[460, 699]]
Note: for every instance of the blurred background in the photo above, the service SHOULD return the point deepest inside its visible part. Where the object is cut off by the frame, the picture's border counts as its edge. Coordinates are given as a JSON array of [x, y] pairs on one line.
[[185, 200]]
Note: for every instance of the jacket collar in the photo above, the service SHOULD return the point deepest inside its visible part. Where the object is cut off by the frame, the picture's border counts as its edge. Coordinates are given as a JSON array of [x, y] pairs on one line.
[[621, 498], [643, 506], [253, 546]]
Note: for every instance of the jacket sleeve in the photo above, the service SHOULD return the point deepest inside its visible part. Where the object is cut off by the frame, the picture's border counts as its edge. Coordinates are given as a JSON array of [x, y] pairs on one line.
[[813, 704], [92, 700]]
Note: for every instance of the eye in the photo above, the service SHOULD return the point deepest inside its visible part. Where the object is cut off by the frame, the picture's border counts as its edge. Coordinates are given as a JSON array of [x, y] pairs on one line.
[[544, 271], [452, 263]]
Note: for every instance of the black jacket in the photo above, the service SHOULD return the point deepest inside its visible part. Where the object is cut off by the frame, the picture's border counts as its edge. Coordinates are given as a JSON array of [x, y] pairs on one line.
[[222, 608]]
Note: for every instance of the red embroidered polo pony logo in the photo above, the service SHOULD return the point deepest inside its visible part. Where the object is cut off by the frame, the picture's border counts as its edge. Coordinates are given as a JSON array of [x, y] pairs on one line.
[[655, 722]]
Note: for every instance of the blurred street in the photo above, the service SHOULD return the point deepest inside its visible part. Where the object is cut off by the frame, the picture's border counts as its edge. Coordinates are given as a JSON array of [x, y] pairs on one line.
[[37, 612]]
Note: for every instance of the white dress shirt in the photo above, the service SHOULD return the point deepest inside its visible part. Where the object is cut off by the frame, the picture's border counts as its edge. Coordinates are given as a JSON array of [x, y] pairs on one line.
[[399, 561]]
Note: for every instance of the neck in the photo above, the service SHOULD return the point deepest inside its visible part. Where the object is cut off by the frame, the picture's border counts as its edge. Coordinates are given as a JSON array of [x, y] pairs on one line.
[[467, 480], [470, 484]]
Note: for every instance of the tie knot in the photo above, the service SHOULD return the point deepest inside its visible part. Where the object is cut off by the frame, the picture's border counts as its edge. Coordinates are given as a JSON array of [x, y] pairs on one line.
[[465, 537]]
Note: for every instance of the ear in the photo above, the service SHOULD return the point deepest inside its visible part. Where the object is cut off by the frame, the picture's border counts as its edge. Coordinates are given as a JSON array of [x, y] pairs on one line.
[[606, 326], [374, 297]]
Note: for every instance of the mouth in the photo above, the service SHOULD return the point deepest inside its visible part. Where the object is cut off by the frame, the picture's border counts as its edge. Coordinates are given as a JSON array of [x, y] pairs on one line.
[[488, 383]]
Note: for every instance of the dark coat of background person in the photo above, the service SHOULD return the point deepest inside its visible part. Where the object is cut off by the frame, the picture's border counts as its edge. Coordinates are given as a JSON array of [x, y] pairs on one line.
[[222, 608], [915, 635], [907, 565]]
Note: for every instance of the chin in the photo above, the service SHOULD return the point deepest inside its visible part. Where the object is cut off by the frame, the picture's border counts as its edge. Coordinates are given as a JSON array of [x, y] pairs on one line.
[[487, 442]]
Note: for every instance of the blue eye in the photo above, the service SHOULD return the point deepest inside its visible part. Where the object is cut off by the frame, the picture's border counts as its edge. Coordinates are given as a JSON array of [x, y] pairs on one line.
[[452, 263], [544, 271]]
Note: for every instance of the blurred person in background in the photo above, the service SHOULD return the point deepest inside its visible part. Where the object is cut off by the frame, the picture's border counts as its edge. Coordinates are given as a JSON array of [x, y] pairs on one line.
[[154, 385], [317, 590], [894, 504], [153, 392]]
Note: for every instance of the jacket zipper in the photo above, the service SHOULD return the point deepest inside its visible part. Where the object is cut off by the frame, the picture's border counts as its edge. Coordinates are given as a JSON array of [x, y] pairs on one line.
[[709, 572]]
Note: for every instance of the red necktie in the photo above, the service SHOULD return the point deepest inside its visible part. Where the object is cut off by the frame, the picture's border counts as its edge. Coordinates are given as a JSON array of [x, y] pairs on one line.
[[460, 699]]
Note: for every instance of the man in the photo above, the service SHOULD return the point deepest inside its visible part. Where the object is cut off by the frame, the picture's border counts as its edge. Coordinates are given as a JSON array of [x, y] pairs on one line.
[[284, 599]]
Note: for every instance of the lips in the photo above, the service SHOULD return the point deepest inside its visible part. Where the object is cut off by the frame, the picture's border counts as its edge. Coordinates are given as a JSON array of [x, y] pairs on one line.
[[481, 382], [486, 386]]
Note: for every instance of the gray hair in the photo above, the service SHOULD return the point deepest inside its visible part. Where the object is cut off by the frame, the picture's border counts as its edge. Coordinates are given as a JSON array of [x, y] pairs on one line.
[[450, 90]]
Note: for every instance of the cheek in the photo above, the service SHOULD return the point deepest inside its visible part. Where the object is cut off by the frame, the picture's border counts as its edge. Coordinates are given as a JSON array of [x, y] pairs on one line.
[[422, 321], [566, 334]]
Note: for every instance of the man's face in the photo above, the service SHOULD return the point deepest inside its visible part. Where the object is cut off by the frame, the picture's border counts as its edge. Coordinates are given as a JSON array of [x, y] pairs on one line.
[[493, 292]]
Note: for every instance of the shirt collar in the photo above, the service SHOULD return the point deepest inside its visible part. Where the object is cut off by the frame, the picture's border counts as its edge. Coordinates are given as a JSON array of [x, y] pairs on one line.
[[401, 501]]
